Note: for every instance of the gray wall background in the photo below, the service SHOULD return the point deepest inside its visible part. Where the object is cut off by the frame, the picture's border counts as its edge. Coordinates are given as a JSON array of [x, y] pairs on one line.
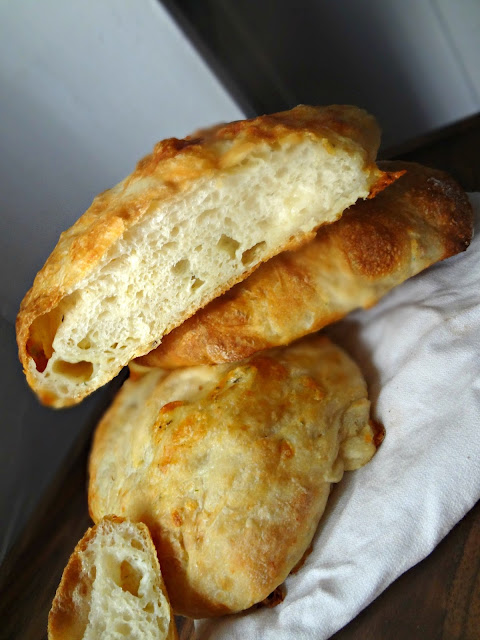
[[412, 63]]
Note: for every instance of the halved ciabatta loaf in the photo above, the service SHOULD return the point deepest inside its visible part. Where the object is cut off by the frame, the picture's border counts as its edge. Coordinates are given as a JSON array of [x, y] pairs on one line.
[[423, 217], [112, 588], [194, 218], [230, 466]]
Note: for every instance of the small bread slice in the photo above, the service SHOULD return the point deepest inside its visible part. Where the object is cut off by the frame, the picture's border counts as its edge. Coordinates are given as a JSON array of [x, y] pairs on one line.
[[112, 588], [423, 217], [230, 466], [195, 217]]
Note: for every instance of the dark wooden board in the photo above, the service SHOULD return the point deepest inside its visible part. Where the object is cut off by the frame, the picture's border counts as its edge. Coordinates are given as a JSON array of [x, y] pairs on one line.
[[437, 599]]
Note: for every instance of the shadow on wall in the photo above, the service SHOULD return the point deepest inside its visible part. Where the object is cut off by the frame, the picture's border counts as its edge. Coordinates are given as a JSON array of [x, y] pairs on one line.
[[394, 59]]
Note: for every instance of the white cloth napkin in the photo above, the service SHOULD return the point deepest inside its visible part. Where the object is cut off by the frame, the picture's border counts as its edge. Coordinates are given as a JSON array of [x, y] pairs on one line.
[[419, 349]]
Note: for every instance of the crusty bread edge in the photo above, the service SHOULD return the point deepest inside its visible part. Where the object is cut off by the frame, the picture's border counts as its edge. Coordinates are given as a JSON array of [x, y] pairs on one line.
[[61, 612], [110, 216]]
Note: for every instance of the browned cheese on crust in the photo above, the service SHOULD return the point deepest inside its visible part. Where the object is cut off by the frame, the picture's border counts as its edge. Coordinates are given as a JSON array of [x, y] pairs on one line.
[[112, 587], [421, 218], [61, 363], [230, 466]]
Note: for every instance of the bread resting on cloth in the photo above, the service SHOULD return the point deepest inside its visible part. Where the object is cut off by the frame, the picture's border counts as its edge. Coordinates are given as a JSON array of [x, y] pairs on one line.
[[422, 218], [112, 588], [194, 218], [230, 466]]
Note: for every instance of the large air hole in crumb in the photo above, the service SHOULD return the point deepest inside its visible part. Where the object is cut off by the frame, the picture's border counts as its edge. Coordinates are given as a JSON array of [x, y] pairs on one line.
[[43, 331], [229, 245], [36, 350], [84, 343], [149, 608], [78, 371], [205, 215], [130, 578], [196, 283], [251, 255], [136, 544], [181, 267], [124, 629], [161, 624]]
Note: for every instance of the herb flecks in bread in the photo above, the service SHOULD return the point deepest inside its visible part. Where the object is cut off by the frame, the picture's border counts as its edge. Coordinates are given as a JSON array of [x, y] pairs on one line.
[[195, 217]]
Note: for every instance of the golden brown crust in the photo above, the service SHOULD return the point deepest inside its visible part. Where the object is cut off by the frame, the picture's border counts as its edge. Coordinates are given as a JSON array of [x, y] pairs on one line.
[[66, 620], [168, 171], [420, 219], [230, 466]]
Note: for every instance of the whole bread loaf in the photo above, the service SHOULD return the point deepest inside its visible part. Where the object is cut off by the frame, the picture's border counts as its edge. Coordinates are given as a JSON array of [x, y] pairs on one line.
[[423, 217], [112, 588], [230, 466], [195, 217]]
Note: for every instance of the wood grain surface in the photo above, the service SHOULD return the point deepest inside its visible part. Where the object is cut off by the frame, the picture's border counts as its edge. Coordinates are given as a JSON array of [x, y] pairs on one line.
[[437, 599]]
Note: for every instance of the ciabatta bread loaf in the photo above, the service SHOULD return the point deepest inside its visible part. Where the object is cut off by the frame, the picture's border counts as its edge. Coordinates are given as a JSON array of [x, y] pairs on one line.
[[230, 466], [422, 218], [194, 218], [112, 588]]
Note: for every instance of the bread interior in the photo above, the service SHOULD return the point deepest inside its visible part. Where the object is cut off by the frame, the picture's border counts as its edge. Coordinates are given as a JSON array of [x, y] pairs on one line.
[[185, 252], [119, 591]]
